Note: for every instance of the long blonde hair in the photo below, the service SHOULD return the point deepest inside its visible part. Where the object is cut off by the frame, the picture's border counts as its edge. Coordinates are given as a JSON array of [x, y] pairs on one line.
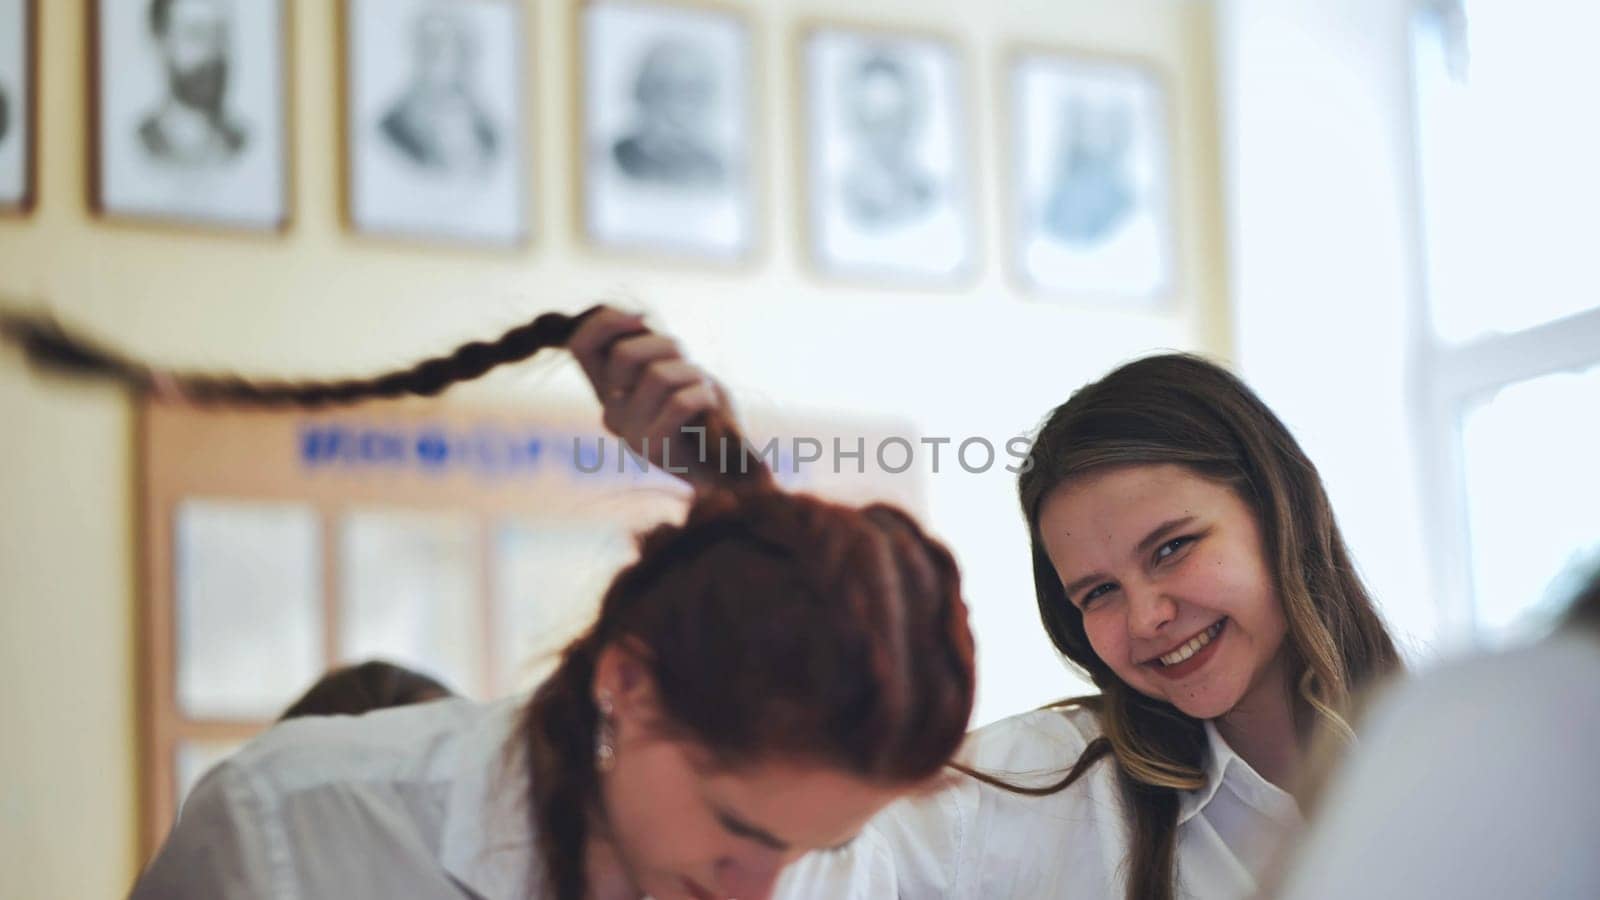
[[1180, 409]]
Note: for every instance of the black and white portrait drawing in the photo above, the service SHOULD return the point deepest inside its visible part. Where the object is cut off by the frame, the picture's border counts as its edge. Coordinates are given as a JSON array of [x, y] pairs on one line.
[[192, 116], [190, 125], [674, 93], [436, 135], [888, 193], [667, 129], [1090, 178], [16, 94]]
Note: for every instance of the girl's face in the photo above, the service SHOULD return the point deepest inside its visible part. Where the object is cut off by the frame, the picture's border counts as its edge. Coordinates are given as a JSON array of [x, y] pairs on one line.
[[1170, 574], [687, 829]]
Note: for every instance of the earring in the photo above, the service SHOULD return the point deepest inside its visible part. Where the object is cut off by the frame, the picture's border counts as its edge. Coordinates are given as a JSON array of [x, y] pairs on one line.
[[605, 735]]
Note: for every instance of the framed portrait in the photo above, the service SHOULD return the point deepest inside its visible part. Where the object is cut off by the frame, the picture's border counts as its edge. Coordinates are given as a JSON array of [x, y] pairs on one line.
[[667, 130], [189, 112], [436, 136], [1090, 177], [889, 179], [18, 85]]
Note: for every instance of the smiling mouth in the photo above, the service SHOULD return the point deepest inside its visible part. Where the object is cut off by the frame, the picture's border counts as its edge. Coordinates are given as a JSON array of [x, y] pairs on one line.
[[1189, 648]]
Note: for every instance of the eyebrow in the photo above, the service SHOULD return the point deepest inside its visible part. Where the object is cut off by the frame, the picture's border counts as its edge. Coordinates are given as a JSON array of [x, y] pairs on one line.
[[1155, 537], [745, 829], [762, 836]]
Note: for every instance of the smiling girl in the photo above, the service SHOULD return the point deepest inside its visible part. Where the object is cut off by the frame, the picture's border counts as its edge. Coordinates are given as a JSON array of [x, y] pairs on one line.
[[1186, 558]]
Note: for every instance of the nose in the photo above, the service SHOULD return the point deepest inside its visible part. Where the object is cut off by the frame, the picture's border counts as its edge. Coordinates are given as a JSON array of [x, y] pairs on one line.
[[750, 876], [1149, 611]]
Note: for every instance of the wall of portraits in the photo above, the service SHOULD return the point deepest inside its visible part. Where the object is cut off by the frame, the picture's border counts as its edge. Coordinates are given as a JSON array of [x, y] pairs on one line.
[[193, 118]]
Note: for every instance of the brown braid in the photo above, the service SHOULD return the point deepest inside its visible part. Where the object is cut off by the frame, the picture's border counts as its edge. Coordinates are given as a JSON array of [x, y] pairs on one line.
[[50, 347]]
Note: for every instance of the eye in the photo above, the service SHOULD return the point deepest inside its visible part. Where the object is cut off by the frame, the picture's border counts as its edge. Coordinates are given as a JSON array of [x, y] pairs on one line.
[[1096, 593], [1166, 551]]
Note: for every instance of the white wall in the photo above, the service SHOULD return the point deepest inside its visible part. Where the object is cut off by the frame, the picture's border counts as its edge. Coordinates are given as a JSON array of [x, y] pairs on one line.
[[1320, 180]]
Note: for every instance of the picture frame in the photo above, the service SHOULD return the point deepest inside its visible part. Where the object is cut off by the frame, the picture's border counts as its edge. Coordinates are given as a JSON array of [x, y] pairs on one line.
[[888, 192], [19, 89], [436, 126], [666, 128], [190, 112], [1091, 177]]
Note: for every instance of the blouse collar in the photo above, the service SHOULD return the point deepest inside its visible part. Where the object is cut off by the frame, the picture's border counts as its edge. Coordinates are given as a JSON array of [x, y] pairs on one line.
[[1224, 766]]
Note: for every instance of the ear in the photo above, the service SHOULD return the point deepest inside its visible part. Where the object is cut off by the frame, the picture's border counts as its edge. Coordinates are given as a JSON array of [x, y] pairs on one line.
[[622, 675]]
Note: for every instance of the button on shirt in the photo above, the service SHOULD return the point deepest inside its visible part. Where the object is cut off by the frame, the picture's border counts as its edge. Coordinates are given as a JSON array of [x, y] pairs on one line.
[[978, 842]]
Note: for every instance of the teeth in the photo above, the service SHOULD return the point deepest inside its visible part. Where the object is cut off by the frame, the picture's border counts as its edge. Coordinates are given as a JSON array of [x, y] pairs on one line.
[[1193, 646]]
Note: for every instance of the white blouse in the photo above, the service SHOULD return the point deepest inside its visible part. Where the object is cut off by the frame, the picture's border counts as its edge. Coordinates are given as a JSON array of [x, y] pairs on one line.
[[413, 802], [408, 802], [975, 841], [418, 802]]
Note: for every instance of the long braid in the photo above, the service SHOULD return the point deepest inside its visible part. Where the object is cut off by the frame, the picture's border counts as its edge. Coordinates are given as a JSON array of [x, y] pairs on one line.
[[48, 346]]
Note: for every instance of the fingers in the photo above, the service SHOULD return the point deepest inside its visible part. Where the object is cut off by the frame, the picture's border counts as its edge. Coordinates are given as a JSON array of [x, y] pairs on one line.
[[653, 391], [595, 338], [626, 363], [688, 450], [648, 391], [681, 408]]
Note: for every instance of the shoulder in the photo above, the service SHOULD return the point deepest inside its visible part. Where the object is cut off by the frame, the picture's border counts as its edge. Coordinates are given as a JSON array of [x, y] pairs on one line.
[[1044, 739], [953, 840], [406, 743], [311, 803]]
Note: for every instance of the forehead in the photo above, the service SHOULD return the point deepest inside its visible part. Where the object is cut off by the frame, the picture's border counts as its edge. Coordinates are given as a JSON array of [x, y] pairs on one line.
[[1116, 508]]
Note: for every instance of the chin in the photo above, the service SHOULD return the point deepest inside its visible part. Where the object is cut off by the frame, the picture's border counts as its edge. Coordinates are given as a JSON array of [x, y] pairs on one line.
[[1206, 701], [1203, 708]]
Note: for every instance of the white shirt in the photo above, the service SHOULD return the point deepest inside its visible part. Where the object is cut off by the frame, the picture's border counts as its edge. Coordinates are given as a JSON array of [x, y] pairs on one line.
[[1477, 780], [413, 802], [977, 842]]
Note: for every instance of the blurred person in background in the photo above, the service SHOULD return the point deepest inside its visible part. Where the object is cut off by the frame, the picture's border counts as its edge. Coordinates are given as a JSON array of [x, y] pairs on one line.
[[362, 688], [1477, 780], [765, 677]]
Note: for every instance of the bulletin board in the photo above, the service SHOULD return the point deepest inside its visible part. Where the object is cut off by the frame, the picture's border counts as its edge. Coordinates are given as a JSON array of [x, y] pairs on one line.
[[468, 543]]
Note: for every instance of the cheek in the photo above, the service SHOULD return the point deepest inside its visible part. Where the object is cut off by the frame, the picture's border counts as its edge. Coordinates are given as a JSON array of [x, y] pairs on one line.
[[1108, 638], [658, 816], [1245, 593]]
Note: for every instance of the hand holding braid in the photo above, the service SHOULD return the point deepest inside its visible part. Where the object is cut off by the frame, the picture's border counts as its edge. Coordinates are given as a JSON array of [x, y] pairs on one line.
[[662, 388]]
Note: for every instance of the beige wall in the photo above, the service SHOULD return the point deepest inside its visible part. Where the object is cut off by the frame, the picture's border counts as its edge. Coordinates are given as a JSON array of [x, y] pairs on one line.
[[983, 361]]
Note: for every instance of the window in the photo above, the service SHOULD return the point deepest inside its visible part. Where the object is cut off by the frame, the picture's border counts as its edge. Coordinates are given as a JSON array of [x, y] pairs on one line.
[[1508, 381]]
